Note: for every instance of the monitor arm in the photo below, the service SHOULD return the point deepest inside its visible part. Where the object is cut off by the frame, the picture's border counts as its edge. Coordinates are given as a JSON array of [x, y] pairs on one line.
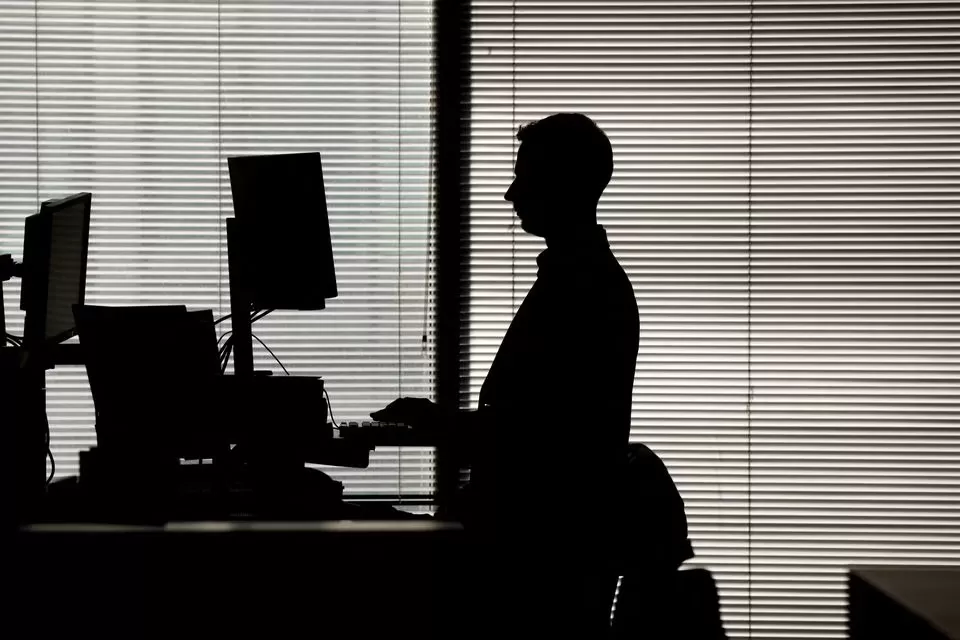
[[9, 268], [48, 357]]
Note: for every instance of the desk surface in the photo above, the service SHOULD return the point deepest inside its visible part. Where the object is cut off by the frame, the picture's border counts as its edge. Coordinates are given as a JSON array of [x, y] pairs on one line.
[[931, 593], [348, 527]]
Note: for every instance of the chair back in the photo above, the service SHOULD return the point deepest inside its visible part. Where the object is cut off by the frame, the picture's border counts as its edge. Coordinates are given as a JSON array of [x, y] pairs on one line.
[[678, 605], [653, 524]]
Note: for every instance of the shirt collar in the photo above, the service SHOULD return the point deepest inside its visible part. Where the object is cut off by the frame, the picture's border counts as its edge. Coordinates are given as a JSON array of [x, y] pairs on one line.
[[594, 243]]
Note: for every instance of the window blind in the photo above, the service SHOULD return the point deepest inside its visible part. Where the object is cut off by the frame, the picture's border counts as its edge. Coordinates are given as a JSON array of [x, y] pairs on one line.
[[855, 335], [141, 103], [785, 202]]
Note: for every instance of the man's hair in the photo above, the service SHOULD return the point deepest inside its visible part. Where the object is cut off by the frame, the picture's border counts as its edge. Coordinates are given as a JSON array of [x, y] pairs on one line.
[[572, 147]]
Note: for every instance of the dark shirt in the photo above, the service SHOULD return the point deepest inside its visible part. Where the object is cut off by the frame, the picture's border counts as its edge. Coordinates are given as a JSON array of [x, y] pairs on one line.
[[557, 399]]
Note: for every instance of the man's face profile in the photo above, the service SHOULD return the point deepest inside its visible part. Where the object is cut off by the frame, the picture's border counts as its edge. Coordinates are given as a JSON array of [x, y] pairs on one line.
[[530, 193]]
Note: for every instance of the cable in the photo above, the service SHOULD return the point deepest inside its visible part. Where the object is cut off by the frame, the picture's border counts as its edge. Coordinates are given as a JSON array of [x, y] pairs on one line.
[[271, 353], [226, 360], [223, 353], [225, 356], [262, 314], [226, 350], [330, 407], [228, 346], [46, 437]]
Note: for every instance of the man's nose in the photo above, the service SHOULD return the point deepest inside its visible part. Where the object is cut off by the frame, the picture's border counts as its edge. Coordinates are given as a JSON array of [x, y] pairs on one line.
[[508, 196]]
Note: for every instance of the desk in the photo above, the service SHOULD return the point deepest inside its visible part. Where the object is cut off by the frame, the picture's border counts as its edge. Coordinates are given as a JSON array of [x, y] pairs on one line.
[[912, 603], [335, 579]]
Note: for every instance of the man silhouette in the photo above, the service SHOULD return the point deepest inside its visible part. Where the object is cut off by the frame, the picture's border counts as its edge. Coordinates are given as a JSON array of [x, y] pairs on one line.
[[548, 442]]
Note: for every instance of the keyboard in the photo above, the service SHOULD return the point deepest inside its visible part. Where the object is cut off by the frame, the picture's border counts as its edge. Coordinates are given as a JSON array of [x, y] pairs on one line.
[[382, 433]]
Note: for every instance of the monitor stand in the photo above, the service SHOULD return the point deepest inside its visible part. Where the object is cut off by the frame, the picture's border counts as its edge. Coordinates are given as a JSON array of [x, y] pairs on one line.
[[23, 397], [240, 300]]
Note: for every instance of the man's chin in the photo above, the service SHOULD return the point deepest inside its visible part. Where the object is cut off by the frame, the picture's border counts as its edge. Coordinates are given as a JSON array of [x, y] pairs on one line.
[[531, 228]]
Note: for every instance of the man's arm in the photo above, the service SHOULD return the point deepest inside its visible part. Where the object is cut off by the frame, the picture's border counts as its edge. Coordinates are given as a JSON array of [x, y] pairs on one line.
[[459, 428]]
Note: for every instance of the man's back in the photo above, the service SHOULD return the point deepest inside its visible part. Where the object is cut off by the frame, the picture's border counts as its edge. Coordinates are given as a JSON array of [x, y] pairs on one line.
[[560, 392]]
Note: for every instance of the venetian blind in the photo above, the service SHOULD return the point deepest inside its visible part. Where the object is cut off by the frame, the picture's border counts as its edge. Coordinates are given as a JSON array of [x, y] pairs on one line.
[[785, 202]]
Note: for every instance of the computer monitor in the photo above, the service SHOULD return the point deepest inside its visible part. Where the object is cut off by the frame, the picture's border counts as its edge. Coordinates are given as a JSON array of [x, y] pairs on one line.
[[281, 215], [152, 373], [54, 268]]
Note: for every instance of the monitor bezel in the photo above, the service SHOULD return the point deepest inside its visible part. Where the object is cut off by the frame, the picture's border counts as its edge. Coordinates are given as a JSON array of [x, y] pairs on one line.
[[247, 219], [37, 252]]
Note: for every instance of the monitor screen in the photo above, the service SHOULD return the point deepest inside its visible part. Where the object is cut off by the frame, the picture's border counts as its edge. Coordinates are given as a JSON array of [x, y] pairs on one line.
[[55, 267], [280, 203]]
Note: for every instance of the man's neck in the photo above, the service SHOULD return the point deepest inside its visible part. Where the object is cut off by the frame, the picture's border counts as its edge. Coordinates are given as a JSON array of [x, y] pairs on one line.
[[583, 234]]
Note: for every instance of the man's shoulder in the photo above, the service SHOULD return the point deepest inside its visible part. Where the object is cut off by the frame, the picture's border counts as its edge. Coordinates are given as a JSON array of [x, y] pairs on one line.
[[604, 295], [608, 280], [597, 288]]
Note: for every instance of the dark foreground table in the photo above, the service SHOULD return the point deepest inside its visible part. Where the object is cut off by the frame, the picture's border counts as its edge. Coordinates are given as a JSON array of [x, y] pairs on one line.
[[912, 603], [235, 579]]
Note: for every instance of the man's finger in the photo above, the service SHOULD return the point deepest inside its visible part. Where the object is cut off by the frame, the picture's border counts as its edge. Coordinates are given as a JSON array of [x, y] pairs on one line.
[[385, 415]]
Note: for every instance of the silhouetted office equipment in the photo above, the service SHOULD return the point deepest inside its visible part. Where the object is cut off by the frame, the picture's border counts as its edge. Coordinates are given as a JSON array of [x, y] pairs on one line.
[[159, 397], [152, 372], [54, 268], [280, 257], [280, 202], [279, 249], [9, 268], [54, 278], [384, 434], [16, 471]]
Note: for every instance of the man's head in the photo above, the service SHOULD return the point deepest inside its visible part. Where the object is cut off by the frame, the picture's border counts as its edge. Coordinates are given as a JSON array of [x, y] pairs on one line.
[[563, 165]]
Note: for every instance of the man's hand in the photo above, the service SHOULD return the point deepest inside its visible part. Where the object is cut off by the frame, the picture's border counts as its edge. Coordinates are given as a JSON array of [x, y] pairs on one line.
[[419, 413]]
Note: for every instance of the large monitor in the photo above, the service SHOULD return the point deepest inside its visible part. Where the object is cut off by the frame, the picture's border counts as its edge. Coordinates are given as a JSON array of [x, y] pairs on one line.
[[152, 371], [281, 215], [54, 268]]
